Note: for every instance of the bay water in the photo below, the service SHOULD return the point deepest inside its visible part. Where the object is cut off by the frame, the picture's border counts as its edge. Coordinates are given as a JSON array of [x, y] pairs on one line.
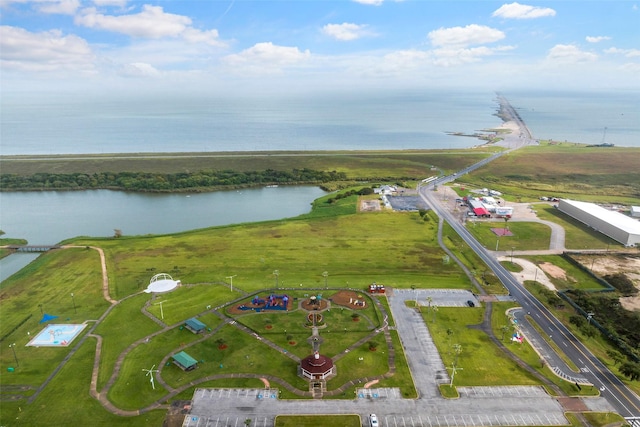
[[420, 119], [46, 218]]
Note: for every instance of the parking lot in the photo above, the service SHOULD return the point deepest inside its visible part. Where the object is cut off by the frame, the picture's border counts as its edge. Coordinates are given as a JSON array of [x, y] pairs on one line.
[[445, 297], [476, 406]]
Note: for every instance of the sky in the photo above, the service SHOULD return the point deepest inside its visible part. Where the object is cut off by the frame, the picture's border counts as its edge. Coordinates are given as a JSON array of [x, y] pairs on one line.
[[287, 45]]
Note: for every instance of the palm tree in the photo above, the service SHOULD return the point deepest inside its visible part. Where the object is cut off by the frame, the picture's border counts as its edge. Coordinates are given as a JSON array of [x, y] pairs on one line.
[[449, 333], [457, 349], [504, 330]]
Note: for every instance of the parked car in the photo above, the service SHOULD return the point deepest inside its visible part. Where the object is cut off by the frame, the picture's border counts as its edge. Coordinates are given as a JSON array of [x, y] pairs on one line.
[[471, 303], [373, 420]]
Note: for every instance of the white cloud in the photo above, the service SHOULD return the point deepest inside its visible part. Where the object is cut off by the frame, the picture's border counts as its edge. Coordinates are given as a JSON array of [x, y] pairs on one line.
[[269, 55], [62, 7], [50, 7], [570, 53], [45, 51], [522, 11], [455, 56], [404, 60], [465, 36], [345, 31], [596, 39], [629, 53], [209, 37], [120, 3], [152, 22], [139, 69], [370, 2]]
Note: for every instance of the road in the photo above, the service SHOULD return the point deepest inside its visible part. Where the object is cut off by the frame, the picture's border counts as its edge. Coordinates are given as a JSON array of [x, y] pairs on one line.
[[611, 388]]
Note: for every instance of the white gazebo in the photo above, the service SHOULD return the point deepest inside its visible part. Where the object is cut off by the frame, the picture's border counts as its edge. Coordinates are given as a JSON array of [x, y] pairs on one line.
[[161, 283]]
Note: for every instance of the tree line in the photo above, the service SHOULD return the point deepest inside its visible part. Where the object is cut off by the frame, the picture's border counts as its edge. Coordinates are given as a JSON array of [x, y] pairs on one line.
[[168, 182]]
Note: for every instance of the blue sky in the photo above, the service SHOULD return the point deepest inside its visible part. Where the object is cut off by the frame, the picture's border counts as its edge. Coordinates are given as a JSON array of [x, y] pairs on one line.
[[288, 45]]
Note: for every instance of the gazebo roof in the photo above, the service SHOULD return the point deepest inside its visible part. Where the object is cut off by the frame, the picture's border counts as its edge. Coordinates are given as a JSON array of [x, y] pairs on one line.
[[317, 364]]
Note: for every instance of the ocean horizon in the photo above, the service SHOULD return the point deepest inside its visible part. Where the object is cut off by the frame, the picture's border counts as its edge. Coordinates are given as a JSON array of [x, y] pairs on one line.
[[385, 120]]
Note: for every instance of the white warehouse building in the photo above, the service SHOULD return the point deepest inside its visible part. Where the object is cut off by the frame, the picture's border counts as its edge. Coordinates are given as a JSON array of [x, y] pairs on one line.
[[615, 225]]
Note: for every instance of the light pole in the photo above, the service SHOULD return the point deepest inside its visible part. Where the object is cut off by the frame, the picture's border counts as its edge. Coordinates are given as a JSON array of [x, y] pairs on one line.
[[453, 373], [231, 281], [41, 310], [73, 300], [497, 243], [13, 347], [512, 248], [161, 310], [325, 275], [276, 273]]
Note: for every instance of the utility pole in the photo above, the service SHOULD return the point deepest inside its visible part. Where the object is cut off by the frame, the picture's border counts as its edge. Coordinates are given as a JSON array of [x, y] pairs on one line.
[[74, 303]]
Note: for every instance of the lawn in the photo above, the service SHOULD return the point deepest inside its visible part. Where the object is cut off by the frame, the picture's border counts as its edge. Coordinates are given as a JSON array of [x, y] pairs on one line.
[[577, 235], [571, 171], [358, 165], [350, 248], [318, 421], [481, 361], [573, 278], [526, 235]]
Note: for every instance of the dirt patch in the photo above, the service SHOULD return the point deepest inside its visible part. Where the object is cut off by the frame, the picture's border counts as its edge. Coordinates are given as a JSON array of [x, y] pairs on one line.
[[502, 232], [369, 205], [311, 305], [530, 272], [348, 298], [604, 264], [176, 413], [572, 404], [553, 271]]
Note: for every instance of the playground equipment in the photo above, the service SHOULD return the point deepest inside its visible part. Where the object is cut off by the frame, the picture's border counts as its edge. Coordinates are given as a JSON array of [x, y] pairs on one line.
[[272, 302]]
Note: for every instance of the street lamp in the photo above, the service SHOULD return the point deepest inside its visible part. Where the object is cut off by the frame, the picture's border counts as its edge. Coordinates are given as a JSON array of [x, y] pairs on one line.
[[13, 347], [276, 273], [161, 310], [231, 281], [325, 274], [497, 243], [74, 303], [512, 248], [41, 310]]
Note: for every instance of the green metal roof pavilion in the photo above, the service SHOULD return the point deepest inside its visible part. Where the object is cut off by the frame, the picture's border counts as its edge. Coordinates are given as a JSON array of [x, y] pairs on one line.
[[184, 361]]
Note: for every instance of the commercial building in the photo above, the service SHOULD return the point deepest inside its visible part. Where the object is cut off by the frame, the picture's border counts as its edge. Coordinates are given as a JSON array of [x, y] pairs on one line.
[[615, 225]]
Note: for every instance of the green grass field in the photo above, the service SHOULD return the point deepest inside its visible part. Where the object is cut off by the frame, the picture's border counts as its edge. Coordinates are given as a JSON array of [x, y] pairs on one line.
[[350, 247], [354, 249], [572, 171], [526, 235]]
